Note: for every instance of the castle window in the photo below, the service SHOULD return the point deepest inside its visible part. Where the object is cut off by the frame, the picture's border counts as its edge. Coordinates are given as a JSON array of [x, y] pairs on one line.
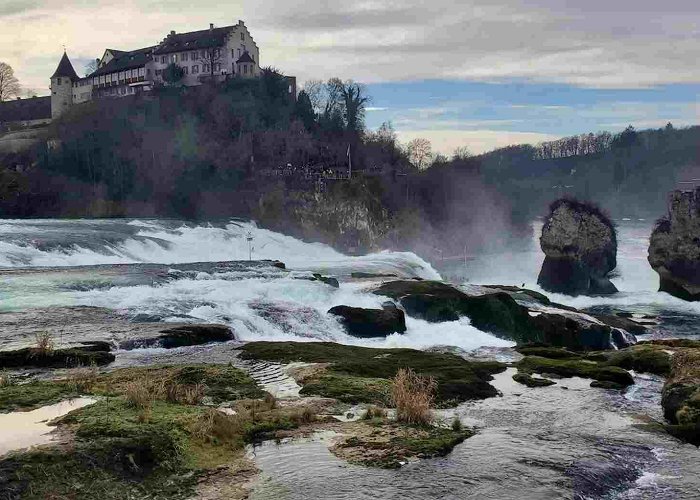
[[242, 37], [58, 81], [195, 69], [205, 68], [163, 60], [217, 67], [173, 59], [245, 69], [195, 55], [184, 57], [185, 70]]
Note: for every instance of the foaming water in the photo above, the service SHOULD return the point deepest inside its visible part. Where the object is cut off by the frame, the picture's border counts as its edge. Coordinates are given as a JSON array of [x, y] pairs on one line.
[[258, 304]]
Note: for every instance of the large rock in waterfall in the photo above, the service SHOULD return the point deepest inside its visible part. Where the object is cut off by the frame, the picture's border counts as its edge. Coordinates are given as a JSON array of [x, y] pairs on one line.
[[674, 247], [580, 248], [511, 313], [361, 322]]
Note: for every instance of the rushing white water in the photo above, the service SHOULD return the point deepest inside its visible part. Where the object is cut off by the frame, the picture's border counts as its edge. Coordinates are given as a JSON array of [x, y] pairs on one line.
[[269, 306]]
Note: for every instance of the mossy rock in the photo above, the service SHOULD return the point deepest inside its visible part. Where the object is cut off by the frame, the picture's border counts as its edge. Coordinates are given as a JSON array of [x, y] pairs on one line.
[[184, 335], [56, 358], [392, 444], [458, 379], [545, 351], [221, 383], [530, 381], [575, 368], [644, 359], [435, 301]]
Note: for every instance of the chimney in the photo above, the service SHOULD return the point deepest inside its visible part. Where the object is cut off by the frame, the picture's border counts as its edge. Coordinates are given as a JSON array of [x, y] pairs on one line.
[[172, 32], [241, 23], [211, 26]]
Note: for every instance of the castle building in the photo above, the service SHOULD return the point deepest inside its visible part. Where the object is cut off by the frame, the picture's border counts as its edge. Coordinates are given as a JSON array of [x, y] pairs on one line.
[[210, 54]]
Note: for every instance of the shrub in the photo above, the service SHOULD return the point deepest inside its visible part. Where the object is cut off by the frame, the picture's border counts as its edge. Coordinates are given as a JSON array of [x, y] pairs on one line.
[[6, 379], [138, 394], [413, 396], [192, 394], [83, 379], [44, 343], [457, 425], [374, 412]]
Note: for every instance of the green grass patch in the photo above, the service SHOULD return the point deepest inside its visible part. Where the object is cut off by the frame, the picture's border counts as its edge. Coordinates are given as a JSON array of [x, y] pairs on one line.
[[354, 372], [575, 368], [24, 397]]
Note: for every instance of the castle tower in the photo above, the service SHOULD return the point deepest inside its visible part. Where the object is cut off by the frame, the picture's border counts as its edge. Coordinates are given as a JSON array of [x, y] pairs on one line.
[[245, 66], [62, 87]]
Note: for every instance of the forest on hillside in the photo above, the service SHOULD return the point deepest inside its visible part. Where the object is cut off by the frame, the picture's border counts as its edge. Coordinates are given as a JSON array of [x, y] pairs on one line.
[[629, 174], [310, 168]]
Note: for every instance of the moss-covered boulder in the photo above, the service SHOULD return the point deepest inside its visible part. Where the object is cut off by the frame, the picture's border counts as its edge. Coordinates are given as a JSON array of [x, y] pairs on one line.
[[361, 374], [575, 368], [680, 397], [435, 301], [500, 313], [91, 354], [530, 381], [360, 322]]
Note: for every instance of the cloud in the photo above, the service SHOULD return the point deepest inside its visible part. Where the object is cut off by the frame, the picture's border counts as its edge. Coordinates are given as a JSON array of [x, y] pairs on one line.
[[597, 43], [445, 141]]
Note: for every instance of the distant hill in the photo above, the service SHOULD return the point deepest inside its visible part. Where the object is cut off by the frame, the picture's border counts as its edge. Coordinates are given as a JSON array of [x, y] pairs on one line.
[[629, 174]]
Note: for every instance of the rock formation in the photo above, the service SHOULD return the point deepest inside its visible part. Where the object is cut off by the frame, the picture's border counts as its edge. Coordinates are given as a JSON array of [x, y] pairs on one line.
[[674, 247], [580, 246], [517, 315], [361, 322]]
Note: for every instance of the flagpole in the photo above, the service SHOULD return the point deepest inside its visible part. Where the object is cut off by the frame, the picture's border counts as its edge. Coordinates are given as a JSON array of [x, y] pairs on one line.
[[349, 163]]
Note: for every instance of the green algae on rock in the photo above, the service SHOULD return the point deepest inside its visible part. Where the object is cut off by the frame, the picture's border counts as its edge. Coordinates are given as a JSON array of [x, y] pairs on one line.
[[359, 374]]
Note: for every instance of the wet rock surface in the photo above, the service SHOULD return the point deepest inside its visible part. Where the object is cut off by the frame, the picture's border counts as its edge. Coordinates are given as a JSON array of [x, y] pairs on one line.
[[183, 335], [93, 354], [674, 247], [361, 322], [580, 248], [516, 314]]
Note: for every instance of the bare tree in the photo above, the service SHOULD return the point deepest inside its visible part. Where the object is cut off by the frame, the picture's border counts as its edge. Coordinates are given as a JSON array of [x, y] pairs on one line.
[[461, 153], [420, 152], [212, 57], [314, 89], [9, 85]]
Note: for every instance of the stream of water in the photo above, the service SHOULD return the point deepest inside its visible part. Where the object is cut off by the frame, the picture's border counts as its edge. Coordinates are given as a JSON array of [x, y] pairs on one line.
[[557, 442]]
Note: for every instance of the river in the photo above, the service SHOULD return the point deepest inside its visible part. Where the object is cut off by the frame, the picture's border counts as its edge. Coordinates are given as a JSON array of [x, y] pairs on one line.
[[558, 442]]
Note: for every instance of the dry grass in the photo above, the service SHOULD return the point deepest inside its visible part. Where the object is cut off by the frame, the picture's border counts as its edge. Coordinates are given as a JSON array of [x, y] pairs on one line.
[[83, 379], [413, 396], [183, 394], [6, 380], [373, 412], [217, 427], [44, 343], [138, 394]]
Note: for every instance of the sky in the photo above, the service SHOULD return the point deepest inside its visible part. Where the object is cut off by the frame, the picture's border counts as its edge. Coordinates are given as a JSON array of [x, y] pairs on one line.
[[474, 73]]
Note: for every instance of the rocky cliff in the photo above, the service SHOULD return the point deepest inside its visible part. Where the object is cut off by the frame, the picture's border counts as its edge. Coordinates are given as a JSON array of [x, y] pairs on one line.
[[674, 247], [580, 246]]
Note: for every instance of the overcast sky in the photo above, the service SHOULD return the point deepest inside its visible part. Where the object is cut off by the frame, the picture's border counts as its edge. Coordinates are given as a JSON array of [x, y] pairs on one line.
[[480, 73]]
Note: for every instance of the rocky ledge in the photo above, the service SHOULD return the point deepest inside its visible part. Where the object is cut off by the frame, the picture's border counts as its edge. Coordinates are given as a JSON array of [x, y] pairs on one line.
[[520, 315], [674, 247], [580, 247]]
